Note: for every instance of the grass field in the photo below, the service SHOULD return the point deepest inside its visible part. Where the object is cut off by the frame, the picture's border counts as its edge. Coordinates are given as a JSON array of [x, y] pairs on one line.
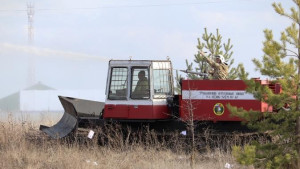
[[22, 145]]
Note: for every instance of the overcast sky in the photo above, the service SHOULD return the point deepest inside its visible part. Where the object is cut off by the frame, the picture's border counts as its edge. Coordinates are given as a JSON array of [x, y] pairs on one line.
[[73, 40]]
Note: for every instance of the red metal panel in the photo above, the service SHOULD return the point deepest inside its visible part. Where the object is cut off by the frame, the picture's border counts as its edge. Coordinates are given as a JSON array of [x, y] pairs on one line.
[[204, 109], [140, 112], [215, 109], [213, 85], [160, 112], [136, 112], [115, 111], [148, 112]]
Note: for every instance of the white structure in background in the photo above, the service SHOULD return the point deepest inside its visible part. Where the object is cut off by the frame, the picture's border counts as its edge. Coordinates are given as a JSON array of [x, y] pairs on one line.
[[47, 100], [42, 98]]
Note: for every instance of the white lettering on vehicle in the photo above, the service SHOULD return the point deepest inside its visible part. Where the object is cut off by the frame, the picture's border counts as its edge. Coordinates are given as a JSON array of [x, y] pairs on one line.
[[217, 95]]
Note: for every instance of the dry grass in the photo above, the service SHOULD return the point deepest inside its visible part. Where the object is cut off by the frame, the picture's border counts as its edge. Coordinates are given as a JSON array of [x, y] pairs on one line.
[[23, 146]]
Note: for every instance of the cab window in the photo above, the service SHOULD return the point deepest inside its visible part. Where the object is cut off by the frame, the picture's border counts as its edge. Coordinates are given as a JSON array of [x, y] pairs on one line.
[[118, 84], [162, 83], [140, 83]]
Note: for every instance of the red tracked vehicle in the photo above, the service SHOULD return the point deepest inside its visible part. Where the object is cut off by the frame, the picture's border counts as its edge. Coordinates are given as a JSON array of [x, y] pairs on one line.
[[158, 106]]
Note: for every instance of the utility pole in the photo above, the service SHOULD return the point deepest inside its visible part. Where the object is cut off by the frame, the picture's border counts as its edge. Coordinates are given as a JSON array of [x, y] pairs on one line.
[[31, 59]]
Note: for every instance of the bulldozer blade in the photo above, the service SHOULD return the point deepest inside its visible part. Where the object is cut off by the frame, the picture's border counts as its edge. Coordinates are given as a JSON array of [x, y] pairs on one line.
[[64, 127], [74, 109]]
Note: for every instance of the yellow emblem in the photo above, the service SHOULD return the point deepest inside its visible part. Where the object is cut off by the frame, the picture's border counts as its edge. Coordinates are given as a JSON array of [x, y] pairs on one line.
[[219, 109]]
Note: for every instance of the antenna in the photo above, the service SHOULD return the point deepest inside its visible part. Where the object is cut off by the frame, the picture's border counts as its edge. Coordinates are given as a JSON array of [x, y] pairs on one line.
[[31, 59], [30, 14]]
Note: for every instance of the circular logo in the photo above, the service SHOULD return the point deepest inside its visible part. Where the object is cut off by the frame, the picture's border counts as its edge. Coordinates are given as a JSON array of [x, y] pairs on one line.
[[218, 109]]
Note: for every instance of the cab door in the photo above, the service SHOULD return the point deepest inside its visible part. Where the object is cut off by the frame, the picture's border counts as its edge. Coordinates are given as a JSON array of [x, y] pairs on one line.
[[140, 103], [116, 104]]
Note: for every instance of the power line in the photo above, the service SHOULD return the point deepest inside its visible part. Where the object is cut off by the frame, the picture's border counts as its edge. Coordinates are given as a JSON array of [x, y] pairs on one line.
[[126, 6]]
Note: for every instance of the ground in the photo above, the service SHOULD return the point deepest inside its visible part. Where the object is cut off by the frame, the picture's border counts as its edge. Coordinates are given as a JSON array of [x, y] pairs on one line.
[[22, 145]]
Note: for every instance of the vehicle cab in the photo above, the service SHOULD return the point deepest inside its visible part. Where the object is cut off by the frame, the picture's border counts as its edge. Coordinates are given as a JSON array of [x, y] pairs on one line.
[[138, 89]]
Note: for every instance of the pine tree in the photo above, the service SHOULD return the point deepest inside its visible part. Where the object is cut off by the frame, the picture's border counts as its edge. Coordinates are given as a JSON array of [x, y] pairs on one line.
[[213, 44], [280, 63]]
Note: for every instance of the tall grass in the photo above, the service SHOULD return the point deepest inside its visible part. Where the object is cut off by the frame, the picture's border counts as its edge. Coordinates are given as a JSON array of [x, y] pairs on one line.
[[22, 145]]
